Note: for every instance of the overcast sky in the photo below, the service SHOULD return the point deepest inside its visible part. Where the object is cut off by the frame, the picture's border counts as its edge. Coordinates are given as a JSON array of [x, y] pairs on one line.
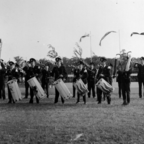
[[28, 26]]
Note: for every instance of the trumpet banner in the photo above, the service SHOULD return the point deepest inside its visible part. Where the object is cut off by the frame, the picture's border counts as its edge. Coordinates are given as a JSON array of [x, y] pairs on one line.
[[105, 36], [136, 33]]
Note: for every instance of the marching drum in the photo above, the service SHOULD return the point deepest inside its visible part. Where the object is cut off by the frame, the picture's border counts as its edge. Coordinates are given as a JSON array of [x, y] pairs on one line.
[[62, 89], [81, 87], [14, 89], [35, 85], [104, 86]]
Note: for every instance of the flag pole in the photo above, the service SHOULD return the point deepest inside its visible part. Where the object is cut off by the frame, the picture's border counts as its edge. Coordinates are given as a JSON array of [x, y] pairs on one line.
[[119, 42], [0, 47], [90, 47]]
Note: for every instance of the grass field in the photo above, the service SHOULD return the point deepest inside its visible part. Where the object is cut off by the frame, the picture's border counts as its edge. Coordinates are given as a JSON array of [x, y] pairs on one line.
[[46, 123]]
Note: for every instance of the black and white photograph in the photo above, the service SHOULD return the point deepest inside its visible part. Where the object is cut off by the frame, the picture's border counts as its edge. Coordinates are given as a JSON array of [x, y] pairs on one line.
[[71, 72]]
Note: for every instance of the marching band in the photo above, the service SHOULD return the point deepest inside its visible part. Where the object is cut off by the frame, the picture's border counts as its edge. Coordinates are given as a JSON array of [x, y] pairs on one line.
[[86, 79]]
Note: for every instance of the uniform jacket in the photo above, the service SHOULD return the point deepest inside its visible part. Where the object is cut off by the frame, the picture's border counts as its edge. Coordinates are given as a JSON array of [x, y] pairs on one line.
[[106, 71], [76, 74], [83, 74], [45, 76], [57, 71], [33, 72], [12, 74], [140, 70], [91, 74], [2, 75]]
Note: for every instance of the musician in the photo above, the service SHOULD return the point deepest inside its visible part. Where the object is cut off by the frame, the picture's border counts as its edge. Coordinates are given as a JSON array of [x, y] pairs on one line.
[[91, 80], [12, 73], [26, 75], [33, 71], [83, 74], [2, 79], [45, 79], [126, 72], [59, 72], [140, 75], [76, 73], [119, 80], [104, 72]]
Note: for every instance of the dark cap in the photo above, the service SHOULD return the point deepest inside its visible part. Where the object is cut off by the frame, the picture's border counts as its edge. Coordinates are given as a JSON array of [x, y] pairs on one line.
[[57, 59], [142, 58], [11, 63], [1, 60], [103, 59], [32, 60], [91, 63]]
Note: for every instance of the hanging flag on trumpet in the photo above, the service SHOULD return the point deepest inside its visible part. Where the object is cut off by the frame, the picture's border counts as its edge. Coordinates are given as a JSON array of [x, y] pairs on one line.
[[105, 36], [52, 54], [137, 33], [79, 49], [51, 47], [86, 35]]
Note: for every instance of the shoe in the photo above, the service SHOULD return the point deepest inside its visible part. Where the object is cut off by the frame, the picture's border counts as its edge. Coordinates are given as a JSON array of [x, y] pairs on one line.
[[31, 102], [84, 103], [99, 103], [77, 102], [124, 103]]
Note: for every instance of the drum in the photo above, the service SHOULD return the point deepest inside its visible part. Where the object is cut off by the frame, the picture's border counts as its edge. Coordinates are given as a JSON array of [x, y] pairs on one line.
[[38, 90], [14, 89], [104, 86], [62, 89], [81, 87]]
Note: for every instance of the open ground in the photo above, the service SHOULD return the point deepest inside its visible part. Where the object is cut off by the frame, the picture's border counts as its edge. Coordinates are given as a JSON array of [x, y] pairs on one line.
[[46, 123]]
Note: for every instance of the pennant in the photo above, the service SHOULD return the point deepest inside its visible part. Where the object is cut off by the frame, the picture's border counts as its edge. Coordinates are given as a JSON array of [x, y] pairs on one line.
[[50, 46], [137, 33], [87, 35], [105, 36]]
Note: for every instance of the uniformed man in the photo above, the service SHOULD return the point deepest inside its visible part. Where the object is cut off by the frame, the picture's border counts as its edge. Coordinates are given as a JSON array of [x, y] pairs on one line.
[[76, 73], [34, 71], [104, 72], [45, 79], [119, 80], [140, 75], [91, 80], [12, 73], [126, 72], [59, 72], [2, 79], [83, 74], [26, 76]]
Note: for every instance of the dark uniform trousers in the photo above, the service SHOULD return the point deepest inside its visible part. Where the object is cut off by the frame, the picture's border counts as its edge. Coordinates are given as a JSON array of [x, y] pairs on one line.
[[57, 96], [91, 86], [74, 91], [45, 85], [2, 91], [126, 92], [120, 88], [140, 82], [26, 88], [32, 95], [78, 98], [99, 96]]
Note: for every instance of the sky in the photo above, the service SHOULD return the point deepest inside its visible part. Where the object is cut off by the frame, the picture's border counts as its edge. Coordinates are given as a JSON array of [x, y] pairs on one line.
[[28, 26]]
